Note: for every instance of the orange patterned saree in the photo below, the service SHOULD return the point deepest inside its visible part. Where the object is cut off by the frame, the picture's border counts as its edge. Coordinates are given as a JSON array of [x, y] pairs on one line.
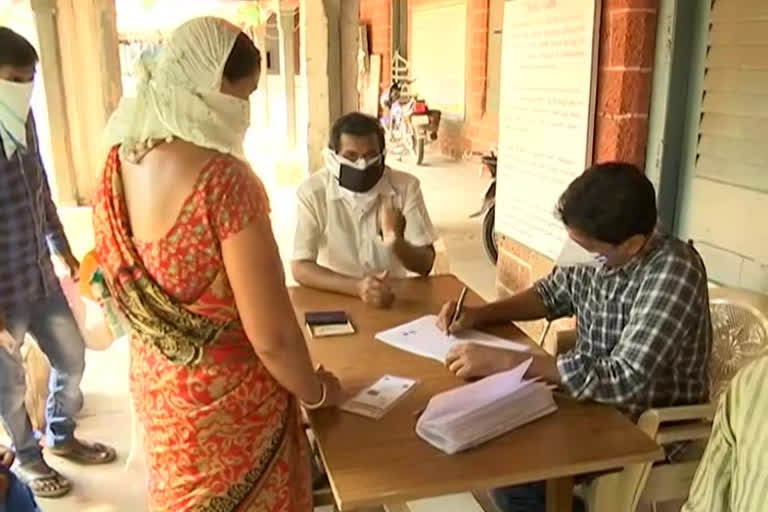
[[220, 433]]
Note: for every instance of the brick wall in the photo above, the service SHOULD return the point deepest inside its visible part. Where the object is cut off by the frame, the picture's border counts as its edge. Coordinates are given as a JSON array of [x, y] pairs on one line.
[[482, 126], [627, 45]]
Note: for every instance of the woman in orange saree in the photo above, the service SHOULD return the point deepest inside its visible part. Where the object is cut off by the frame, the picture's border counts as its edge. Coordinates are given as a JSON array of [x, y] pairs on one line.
[[184, 241]]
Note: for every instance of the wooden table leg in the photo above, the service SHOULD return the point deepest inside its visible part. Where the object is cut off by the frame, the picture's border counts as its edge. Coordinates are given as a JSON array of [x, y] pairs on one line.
[[560, 495]]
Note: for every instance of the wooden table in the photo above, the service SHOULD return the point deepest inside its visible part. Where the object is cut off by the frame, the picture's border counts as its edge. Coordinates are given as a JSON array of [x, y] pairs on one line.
[[383, 462]]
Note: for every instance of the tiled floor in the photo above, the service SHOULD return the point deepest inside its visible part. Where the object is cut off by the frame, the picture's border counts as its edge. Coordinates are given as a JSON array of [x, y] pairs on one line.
[[452, 191]]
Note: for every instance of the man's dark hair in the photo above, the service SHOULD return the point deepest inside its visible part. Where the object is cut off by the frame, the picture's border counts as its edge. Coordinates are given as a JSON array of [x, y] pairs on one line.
[[610, 202], [243, 60], [358, 125], [15, 50]]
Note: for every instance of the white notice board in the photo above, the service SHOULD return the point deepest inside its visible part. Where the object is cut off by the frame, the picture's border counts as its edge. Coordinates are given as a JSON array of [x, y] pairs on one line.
[[549, 58]]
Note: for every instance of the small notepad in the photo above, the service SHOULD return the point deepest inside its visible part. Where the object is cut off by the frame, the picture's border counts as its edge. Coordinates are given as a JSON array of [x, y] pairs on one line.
[[328, 323], [377, 399]]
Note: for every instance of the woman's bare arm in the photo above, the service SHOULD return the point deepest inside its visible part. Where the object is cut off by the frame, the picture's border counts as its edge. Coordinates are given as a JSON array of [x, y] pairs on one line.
[[255, 272]]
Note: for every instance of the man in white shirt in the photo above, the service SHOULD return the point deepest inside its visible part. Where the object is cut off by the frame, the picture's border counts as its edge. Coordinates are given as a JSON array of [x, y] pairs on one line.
[[360, 222]]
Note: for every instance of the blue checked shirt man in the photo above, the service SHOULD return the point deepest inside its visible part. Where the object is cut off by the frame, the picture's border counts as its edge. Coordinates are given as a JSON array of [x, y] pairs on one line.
[[641, 305], [31, 299]]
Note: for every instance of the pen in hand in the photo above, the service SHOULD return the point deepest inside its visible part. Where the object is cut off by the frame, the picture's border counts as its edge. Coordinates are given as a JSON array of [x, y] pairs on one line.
[[459, 306]]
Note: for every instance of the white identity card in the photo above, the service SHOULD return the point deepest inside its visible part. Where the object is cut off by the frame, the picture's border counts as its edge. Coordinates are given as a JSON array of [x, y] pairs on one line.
[[375, 400]]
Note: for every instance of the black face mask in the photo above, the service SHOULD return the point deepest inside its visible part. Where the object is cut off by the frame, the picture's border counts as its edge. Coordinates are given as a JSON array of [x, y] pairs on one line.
[[360, 181]]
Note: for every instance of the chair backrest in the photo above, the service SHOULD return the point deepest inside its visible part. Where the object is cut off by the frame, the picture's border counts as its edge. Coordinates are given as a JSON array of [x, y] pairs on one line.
[[739, 334]]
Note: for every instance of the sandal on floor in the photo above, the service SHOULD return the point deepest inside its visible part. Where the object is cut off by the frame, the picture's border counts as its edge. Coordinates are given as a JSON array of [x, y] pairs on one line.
[[87, 454], [43, 481]]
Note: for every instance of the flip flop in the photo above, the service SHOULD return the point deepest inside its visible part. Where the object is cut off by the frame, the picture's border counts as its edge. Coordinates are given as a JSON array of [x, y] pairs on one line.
[[84, 453], [43, 484]]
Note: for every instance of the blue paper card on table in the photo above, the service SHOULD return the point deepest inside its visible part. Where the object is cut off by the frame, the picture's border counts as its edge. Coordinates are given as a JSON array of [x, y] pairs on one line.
[[328, 323]]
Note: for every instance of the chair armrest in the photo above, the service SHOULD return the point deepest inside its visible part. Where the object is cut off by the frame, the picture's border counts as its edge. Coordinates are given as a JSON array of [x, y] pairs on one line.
[[565, 340], [690, 422], [683, 413]]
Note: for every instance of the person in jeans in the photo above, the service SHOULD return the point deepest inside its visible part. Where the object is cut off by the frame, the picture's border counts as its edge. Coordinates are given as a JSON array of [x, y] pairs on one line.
[[31, 299], [641, 303]]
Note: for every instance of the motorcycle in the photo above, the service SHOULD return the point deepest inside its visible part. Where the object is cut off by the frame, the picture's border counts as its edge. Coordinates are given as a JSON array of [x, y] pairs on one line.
[[488, 208], [408, 122]]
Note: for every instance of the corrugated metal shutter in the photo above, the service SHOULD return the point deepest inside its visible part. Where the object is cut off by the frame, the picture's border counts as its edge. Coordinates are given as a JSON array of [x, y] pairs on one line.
[[726, 199]]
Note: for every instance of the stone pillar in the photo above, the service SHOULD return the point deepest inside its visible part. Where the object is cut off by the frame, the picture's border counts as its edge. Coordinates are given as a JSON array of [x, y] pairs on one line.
[[349, 24], [288, 72], [333, 19], [53, 78], [84, 87], [319, 23]]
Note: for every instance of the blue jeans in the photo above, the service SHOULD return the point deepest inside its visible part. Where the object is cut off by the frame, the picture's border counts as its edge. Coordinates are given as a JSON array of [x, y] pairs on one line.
[[19, 498], [52, 324], [526, 498]]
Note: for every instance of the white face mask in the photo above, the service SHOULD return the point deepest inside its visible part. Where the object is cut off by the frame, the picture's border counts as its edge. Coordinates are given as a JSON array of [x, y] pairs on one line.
[[572, 255], [238, 111], [14, 110]]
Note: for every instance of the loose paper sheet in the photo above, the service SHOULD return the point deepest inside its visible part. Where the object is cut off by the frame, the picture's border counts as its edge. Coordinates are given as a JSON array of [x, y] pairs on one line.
[[423, 338]]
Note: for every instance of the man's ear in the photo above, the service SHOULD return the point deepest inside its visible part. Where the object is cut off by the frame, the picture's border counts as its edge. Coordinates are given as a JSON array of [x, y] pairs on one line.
[[634, 244]]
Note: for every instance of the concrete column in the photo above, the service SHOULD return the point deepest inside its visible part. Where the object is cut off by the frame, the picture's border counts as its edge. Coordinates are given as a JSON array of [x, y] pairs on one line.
[[53, 78], [84, 87], [333, 69], [322, 73], [288, 72], [350, 41]]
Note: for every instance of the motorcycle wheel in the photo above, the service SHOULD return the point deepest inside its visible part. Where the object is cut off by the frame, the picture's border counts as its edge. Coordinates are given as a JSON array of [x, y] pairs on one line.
[[489, 235], [419, 150]]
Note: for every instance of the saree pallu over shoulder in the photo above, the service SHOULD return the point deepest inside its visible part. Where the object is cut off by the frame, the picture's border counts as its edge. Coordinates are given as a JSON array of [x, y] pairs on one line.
[[179, 334], [156, 318]]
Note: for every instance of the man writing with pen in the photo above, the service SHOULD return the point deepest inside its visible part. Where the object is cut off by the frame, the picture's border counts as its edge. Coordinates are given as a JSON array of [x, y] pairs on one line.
[[641, 303], [360, 222]]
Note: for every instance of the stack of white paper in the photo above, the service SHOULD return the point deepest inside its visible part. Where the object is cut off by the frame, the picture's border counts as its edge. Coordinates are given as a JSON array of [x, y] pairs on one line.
[[422, 337], [475, 413]]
